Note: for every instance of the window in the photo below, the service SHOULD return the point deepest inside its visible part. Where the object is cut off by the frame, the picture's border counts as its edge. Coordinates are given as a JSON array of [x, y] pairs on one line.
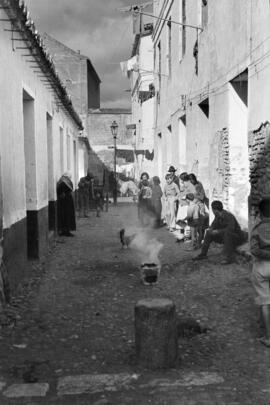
[[183, 28], [204, 106], [169, 47], [61, 150], [196, 54], [75, 159], [159, 65], [182, 140], [240, 85], [204, 12], [68, 151]]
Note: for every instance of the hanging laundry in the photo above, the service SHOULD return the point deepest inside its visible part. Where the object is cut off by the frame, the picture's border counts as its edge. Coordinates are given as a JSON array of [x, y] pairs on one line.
[[124, 68], [133, 63]]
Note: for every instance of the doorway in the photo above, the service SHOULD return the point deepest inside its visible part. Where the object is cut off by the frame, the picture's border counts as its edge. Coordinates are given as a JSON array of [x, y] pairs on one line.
[[51, 182], [30, 175]]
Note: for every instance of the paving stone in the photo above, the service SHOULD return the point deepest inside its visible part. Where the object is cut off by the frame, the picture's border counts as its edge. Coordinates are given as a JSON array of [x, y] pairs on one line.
[[26, 390], [221, 297], [88, 383], [102, 402], [186, 380]]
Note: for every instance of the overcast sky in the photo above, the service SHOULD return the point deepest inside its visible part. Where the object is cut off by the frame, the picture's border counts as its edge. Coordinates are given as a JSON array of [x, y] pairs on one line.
[[99, 31]]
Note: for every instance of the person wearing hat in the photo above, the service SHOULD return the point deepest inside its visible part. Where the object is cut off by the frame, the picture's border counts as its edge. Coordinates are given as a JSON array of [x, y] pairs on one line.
[[172, 171], [144, 199], [175, 180]]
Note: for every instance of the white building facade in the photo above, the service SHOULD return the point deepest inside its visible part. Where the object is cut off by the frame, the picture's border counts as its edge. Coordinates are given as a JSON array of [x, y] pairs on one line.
[[211, 92], [141, 75], [39, 141]]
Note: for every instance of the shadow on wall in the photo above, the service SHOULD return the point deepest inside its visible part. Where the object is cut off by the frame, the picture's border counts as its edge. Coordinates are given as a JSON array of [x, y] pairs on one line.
[[101, 172], [259, 156]]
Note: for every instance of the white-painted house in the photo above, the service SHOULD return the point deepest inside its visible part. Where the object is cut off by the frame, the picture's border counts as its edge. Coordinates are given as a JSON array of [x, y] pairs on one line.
[[39, 140], [212, 90], [141, 76]]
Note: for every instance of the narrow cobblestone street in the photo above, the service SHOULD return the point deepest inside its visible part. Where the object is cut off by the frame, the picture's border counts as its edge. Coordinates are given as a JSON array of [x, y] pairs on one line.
[[78, 320]]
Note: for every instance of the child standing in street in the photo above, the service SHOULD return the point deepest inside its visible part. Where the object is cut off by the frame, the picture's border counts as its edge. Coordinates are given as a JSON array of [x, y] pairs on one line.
[[194, 220], [260, 249], [171, 193]]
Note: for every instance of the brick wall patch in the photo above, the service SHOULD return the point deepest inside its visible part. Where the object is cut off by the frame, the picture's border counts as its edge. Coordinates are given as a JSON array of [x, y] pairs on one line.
[[220, 166], [259, 158]]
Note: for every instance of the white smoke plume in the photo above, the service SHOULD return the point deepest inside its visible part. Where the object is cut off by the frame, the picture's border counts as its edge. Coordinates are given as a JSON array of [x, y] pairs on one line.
[[148, 248]]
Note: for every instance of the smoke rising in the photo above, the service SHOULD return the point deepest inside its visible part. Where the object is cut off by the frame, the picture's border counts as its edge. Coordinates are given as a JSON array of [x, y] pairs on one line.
[[148, 248]]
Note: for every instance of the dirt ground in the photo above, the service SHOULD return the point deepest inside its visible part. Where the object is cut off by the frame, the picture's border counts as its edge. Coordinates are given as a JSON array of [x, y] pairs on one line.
[[76, 317]]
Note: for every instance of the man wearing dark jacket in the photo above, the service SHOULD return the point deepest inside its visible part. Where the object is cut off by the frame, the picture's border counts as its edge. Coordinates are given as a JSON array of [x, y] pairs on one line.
[[224, 229]]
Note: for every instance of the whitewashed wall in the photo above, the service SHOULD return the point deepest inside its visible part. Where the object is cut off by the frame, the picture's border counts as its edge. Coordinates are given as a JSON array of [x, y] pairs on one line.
[[17, 76], [235, 38]]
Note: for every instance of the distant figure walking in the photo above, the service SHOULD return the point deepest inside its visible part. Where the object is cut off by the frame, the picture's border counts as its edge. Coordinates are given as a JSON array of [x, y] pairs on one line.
[[98, 196], [65, 206], [84, 187], [156, 200]]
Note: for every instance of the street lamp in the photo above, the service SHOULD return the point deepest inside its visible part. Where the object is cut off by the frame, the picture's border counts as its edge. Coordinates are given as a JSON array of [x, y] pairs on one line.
[[114, 129]]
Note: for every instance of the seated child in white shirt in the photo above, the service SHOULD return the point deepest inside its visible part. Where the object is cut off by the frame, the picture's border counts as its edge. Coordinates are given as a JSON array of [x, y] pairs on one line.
[[194, 221]]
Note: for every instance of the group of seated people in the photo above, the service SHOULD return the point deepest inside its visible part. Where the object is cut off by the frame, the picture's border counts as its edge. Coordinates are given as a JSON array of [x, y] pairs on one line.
[[184, 207], [182, 204], [187, 207]]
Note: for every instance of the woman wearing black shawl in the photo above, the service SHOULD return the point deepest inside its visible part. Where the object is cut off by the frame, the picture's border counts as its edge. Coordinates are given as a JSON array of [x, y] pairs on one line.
[[65, 206]]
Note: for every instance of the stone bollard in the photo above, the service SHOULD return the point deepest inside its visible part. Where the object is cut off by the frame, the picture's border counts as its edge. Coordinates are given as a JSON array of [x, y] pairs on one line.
[[156, 333]]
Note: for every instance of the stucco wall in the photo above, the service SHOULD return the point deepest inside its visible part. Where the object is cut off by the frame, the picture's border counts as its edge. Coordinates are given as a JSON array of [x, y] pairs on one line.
[[73, 69], [143, 110], [77, 74], [182, 82], [101, 139], [16, 76], [99, 127], [235, 38]]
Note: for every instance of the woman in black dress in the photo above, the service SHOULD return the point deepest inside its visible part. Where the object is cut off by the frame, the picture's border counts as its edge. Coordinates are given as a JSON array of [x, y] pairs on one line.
[[65, 206]]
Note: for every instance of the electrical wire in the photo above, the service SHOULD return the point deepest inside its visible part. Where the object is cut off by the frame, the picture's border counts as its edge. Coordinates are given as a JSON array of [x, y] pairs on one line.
[[207, 90], [236, 65]]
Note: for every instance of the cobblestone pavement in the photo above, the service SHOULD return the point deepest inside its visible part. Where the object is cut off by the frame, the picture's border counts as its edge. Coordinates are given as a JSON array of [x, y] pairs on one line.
[[68, 339]]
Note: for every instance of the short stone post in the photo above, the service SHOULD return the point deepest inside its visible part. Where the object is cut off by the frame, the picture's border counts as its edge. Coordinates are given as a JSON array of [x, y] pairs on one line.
[[156, 333]]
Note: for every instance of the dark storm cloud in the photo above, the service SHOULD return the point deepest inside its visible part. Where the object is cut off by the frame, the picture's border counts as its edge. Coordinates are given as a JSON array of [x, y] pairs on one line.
[[98, 30]]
